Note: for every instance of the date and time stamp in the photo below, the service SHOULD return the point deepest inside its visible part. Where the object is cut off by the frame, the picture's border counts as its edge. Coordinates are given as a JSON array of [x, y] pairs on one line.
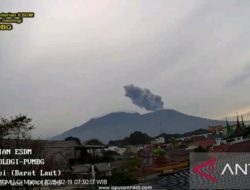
[[16, 177]]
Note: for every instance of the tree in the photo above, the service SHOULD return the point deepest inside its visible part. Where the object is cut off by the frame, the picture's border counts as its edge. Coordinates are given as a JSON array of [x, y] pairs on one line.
[[200, 149], [18, 127], [77, 140], [15, 134], [174, 142], [160, 158], [122, 178], [137, 138], [168, 137], [159, 152], [94, 142]]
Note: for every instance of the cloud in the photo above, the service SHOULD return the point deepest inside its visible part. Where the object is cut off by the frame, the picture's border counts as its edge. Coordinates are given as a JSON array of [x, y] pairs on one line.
[[57, 69], [143, 98]]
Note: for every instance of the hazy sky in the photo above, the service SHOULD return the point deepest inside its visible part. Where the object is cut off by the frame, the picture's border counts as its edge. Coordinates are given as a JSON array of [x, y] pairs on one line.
[[71, 61]]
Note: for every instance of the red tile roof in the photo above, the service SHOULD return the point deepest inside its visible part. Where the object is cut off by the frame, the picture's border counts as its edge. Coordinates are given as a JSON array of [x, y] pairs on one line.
[[240, 147], [205, 143], [237, 147], [221, 148]]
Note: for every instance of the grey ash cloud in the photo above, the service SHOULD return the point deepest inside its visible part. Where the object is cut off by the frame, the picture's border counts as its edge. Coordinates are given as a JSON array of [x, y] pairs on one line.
[[143, 98]]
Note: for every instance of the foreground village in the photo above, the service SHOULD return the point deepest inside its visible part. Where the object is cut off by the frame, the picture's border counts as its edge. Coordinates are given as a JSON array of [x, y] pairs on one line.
[[135, 159]]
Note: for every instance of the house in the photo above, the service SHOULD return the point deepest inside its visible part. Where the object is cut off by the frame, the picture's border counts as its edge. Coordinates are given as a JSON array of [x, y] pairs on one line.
[[93, 150], [92, 170], [119, 150], [60, 153], [236, 147], [234, 133], [159, 140], [215, 128], [131, 151], [147, 155], [82, 170], [205, 144], [221, 148]]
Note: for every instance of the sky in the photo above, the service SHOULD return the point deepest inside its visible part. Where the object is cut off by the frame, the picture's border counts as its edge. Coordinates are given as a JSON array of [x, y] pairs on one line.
[[71, 62]]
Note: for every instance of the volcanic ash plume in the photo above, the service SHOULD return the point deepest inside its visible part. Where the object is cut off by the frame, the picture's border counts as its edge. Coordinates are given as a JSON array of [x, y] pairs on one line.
[[143, 98]]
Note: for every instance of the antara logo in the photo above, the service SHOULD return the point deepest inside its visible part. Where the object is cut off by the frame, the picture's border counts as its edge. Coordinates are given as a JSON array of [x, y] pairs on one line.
[[209, 163], [237, 169], [227, 169], [219, 170]]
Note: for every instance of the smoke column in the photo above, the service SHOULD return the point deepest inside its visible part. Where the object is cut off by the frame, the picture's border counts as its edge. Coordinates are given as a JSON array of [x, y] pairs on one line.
[[143, 98]]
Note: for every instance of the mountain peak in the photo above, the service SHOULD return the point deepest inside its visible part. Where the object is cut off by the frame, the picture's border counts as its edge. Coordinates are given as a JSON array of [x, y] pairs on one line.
[[118, 125]]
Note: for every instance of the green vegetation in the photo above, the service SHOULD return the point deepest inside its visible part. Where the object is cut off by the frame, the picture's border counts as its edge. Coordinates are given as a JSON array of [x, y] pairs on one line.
[[168, 137], [110, 156], [138, 138], [135, 138], [15, 132], [160, 152], [132, 164], [77, 140], [200, 149], [18, 127], [122, 178], [174, 142], [125, 175], [94, 142]]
